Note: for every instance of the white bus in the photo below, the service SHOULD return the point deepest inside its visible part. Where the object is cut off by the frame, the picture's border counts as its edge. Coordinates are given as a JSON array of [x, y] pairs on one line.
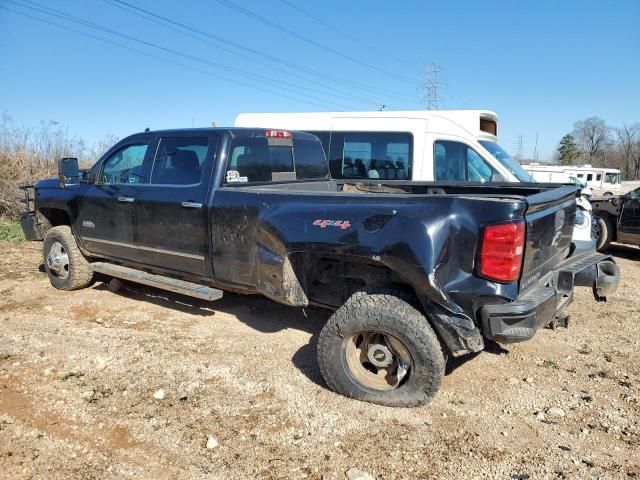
[[603, 180], [419, 145]]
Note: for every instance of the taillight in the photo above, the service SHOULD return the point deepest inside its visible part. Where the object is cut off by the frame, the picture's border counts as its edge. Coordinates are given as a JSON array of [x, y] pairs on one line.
[[501, 251], [278, 134]]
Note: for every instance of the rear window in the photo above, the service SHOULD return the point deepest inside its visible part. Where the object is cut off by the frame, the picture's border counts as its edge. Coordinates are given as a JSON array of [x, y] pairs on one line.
[[253, 159]]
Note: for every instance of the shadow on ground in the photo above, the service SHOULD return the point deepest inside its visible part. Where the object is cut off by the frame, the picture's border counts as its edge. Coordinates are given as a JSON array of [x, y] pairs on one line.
[[257, 312]]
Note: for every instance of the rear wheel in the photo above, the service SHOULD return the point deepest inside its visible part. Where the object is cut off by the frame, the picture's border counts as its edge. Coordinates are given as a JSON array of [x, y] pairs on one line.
[[602, 232], [380, 349], [67, 268]]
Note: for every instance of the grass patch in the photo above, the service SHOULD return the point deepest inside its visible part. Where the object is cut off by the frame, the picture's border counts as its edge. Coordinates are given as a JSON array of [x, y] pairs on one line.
[[11, 231]]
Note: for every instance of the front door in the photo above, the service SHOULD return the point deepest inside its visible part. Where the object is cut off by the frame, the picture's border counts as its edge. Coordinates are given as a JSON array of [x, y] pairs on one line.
[[629, 223], [106, 210], [172, 209]]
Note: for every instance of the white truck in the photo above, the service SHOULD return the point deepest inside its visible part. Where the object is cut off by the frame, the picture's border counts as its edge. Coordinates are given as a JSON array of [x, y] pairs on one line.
[[418, 145]]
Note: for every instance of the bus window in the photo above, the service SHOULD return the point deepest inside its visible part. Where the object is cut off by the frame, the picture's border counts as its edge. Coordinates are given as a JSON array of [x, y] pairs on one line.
[[375, 155], [458, 162], [612, 177]]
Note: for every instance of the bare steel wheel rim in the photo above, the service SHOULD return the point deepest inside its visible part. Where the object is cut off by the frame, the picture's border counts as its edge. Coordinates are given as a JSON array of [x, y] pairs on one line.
[[377, 360], [58, 260]]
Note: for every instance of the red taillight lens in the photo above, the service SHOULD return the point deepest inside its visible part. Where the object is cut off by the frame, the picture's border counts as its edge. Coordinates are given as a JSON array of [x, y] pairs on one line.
[[278, 134], [501, 251]]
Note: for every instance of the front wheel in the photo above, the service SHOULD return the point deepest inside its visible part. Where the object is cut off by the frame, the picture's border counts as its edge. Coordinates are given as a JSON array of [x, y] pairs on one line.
[[380, 349], [66, 266]]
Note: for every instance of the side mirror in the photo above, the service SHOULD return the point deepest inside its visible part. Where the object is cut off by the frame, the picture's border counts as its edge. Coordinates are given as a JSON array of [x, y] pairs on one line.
[[68, 171]]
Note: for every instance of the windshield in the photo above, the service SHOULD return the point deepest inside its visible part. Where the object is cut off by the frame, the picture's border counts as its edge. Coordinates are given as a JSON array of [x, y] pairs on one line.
[[508, 162], [577, 181]]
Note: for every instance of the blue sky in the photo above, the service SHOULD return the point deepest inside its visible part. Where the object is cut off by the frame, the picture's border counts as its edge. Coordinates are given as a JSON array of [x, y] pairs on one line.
[[541, 65]]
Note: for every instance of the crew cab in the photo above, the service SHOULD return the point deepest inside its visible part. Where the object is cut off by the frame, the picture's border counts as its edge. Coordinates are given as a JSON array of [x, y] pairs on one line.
[[617, 219], [414, 271]]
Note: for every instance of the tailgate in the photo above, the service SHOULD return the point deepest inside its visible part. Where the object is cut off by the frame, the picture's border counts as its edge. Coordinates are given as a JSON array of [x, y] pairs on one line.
[[550, 218]]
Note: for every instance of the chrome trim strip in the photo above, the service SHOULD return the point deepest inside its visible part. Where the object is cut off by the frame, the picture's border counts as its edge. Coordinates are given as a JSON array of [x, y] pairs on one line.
[[172, 252], [108, 242], [150, 249]]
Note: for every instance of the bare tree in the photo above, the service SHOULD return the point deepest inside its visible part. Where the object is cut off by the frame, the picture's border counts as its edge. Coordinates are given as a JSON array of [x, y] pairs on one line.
[[28, 154], [629, 147], [593, 137]]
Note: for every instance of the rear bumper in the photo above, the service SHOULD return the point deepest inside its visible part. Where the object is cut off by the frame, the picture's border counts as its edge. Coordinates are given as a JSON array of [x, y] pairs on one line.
[[519, 320]]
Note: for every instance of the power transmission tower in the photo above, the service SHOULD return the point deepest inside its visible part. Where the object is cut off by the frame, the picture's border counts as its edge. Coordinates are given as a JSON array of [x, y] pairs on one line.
[[432, 98]]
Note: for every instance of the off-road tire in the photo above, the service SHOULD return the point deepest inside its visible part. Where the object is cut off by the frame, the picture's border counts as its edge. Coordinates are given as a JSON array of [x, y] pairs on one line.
[[606, 232], [80, 274], [389, 314]]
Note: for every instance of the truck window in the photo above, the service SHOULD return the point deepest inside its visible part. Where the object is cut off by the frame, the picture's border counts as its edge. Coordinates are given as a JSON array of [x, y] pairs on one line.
[[310, 160], [378, 155], [589, 177], [598, 177], [254, 160], [458, 162], [125, 165], [179, 160], [323, 137]]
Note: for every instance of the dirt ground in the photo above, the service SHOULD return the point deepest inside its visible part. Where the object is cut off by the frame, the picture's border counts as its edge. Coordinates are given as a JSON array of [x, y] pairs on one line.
[[81, 373]]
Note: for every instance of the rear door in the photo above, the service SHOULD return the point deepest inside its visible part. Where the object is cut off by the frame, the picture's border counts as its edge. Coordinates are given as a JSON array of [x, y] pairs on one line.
[[171, 210], [240, 212], [106, 210]]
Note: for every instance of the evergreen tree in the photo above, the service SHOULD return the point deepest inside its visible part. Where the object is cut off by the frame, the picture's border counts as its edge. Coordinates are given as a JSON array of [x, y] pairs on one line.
[[568, 152]]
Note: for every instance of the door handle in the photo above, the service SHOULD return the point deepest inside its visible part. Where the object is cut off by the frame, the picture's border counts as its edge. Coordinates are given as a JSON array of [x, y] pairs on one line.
[[125, 199], [191, 205]]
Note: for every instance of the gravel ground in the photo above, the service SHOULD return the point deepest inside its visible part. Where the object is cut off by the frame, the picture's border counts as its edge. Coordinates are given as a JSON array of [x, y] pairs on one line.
[[146, 384]]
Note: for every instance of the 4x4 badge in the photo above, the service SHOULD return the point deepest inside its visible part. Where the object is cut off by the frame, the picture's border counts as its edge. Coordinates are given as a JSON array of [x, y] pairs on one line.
[[343, 224]]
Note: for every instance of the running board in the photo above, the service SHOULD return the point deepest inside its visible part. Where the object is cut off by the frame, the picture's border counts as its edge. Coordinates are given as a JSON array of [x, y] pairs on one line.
[[158, 281]]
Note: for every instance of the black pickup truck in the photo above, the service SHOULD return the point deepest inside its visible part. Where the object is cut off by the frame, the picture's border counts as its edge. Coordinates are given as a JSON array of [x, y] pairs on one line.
[[617, 219], [414, 271]]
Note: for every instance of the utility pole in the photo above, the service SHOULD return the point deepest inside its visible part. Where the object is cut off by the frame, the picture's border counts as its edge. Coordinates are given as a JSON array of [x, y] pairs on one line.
[[535, 149], [432, 98], [520, 148]]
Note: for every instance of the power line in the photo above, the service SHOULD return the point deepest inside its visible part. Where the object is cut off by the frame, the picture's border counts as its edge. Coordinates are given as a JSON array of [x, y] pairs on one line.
[[347, 35], [166, 60], [310, 41], [194, 32], [78, 20], [262, 55]]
